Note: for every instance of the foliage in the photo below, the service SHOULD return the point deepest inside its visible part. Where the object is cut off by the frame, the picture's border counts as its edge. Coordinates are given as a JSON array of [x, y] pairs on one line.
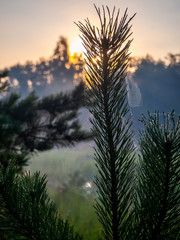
[[158, 203], [34, 124], [3, 84], [26, 210], [107, 57]]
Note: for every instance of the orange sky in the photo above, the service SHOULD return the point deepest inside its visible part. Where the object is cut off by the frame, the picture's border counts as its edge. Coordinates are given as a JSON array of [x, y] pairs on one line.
[[30, 29]]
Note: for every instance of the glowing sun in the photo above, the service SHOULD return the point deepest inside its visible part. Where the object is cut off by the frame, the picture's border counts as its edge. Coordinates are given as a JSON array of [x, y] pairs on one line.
[[76, 46]]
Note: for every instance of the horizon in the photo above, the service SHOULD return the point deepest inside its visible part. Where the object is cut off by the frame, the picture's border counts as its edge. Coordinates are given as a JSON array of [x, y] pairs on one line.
[[40, 58], [30, 30]]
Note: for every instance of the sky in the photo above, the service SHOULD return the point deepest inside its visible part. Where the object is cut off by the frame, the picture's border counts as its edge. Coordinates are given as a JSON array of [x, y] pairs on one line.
[[29, 30]]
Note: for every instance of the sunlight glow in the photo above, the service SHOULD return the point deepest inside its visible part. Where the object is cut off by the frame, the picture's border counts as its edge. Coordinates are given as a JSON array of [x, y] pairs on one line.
[[76, 47], [75, 59]]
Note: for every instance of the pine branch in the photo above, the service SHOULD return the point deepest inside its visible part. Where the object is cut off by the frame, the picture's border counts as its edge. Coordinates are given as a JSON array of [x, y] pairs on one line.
[[106, 63], [159, 181], [34, 124], [27, 210]]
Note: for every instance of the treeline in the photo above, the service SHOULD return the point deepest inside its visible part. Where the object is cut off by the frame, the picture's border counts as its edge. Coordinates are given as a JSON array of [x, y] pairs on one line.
[[58, 73], [152, 85], [158, 81]]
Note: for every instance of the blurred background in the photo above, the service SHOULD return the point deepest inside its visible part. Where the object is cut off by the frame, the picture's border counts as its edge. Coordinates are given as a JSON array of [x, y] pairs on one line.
[[42, 52]]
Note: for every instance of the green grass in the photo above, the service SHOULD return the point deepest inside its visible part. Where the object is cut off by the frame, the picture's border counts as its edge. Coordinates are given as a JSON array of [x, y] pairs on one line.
[[79, 211], [68, 170]]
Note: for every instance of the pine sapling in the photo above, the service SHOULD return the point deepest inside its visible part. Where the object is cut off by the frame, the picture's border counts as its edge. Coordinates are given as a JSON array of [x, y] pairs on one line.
[[107, 53]]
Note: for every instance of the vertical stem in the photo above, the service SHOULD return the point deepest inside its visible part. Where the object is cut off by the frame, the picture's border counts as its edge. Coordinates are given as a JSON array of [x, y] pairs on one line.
[[114, 196], [163, 211]]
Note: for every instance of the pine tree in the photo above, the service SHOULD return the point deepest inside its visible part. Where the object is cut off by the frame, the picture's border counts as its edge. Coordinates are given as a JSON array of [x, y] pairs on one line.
[[106, 60], [158, 205], [33, 124]]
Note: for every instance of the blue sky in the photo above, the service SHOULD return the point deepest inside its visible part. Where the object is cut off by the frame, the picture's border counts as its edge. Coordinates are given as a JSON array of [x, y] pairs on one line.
[[30, 29]]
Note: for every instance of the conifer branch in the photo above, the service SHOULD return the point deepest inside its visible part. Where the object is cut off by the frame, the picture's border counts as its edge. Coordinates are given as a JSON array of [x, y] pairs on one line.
[[106, 63], [26, 210], [159, 178]]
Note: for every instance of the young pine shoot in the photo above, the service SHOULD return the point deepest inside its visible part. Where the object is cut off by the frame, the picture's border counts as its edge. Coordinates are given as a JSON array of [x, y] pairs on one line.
[[107, 53]]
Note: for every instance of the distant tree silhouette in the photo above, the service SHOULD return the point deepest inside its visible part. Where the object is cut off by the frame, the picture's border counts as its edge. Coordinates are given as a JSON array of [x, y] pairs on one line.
[[173, 59], [159, 83], [51, 75], [4, 85]]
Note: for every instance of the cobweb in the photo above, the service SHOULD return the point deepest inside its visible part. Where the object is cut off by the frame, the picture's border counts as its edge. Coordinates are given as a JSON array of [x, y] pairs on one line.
[[133, 92]]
